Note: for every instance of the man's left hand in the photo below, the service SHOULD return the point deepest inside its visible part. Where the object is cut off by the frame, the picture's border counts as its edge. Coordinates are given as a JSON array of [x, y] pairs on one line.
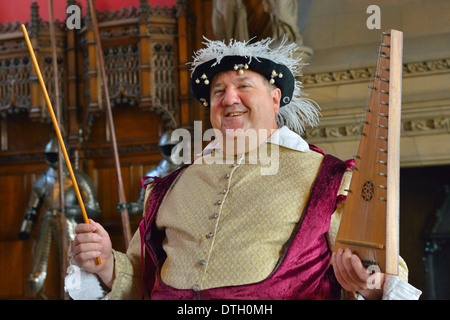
[[353, 276]]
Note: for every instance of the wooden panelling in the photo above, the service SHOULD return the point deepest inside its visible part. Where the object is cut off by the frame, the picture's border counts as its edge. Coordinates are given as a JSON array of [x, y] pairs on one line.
[[142, 61], [14, 265], [13, 189], [23, 139], [146, 52]]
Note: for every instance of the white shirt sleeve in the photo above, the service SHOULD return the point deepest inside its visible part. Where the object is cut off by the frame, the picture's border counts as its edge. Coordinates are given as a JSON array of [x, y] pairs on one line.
[[396, 289], [82, 285]]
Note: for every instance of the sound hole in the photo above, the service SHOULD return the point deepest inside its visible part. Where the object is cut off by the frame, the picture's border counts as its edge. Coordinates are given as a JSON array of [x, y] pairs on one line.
[[367, 191]]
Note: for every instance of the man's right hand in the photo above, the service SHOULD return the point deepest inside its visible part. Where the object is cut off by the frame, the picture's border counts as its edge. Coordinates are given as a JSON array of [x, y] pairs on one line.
[[92, 241]]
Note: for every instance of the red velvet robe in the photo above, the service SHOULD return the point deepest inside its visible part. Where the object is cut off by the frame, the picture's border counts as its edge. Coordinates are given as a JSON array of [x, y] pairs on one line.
[[303, 271]]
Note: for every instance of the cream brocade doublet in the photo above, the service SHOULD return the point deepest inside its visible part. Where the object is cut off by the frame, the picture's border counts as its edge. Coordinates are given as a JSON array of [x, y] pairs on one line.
[[233, 228], [229, 232]]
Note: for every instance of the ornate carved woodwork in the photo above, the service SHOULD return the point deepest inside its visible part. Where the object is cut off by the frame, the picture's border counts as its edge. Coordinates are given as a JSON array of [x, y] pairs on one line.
[[139, 46], [19, 88], [144, 67], [141, 59], [143, 45]]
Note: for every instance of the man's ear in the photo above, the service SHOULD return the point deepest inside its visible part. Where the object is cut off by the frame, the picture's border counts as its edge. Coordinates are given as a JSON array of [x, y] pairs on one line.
[[276, 98]]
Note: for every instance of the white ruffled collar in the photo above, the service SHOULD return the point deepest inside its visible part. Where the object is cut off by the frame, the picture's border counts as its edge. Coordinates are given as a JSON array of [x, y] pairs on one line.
[[283, 137]]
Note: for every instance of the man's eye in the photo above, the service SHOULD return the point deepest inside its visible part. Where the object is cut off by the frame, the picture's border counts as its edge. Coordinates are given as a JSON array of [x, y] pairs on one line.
[[218, 92]]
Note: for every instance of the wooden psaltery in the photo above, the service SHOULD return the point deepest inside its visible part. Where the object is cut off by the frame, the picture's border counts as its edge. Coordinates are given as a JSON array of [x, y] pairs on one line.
[[370, 221]]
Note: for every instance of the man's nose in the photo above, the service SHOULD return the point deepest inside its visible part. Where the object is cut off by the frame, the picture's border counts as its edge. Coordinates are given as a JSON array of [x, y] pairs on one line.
[[231, 97]]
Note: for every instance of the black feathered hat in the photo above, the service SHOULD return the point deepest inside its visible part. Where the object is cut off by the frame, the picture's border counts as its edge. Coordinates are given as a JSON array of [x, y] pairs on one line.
[[277, 65]]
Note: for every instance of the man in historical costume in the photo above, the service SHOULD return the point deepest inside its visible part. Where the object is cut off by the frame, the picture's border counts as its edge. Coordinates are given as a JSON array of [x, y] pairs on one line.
[[233, 225], [46, 191]]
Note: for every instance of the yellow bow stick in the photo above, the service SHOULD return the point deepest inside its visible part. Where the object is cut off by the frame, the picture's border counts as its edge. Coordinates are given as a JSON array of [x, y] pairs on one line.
[[55, 124]]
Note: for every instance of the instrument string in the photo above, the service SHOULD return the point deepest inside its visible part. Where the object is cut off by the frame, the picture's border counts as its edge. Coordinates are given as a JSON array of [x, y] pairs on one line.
[[366, 117]]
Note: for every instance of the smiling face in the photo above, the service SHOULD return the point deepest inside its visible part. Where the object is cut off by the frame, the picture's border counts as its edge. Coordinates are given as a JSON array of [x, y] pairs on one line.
[[243, 101]]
